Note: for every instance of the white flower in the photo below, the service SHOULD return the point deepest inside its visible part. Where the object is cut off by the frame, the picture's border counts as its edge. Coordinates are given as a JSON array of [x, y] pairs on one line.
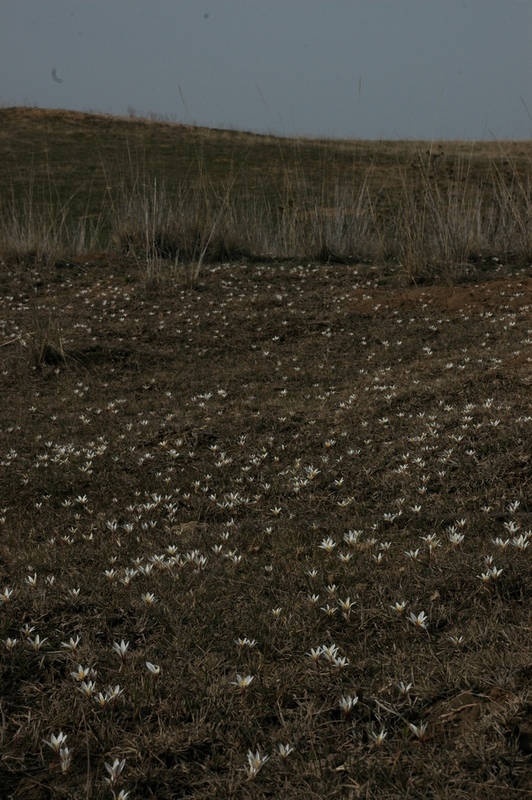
[[399, 607], [315, 653], [491, 575], [113, 693], [420, 621], [114, 770], [346, 606], [87, 688], [121, 649], [255, 762], [502, 543], [329, 652], [81, 673], [243, 681], [521, 541], [284, 750], [65, 754], [340, 662], [456, 538], [6, 594], [73, 644], [56, 742], [511, 526], [352, 537], [431, 540], [37, 642], [348, 703], [379, 738], [245, 642], [101, 699], [419, 731], [404, 688]]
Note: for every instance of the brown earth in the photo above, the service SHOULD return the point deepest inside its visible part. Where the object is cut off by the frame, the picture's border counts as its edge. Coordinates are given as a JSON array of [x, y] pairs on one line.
[[268, 408]]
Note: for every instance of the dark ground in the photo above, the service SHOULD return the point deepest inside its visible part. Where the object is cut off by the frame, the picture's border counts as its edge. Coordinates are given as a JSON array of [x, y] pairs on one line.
[[280, 404]]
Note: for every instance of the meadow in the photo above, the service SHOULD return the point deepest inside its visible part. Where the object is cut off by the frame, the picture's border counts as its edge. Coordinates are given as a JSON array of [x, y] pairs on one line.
[[265, 464]]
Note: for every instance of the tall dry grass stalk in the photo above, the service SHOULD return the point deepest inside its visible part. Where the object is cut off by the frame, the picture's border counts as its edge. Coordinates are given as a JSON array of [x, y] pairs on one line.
[[39, 234], [511, 225], [437, 230]]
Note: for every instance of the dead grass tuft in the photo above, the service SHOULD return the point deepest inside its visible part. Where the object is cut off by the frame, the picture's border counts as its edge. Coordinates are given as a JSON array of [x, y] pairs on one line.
[[46, 343]]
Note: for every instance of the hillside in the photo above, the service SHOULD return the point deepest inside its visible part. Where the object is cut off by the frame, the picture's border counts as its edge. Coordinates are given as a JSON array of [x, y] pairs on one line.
[[97, 182]]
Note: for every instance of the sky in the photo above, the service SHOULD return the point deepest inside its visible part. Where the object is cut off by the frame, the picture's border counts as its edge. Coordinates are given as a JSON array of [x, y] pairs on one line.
[[370, 69]]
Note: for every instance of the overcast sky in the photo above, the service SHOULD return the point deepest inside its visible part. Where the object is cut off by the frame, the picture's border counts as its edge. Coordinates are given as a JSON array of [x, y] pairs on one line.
[[375, 69]]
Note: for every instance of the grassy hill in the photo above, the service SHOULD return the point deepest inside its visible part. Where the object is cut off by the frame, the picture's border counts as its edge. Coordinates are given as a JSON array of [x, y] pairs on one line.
[[74, 182]]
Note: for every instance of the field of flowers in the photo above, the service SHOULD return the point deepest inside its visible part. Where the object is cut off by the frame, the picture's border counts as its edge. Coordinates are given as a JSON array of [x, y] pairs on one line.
[[267, 537]]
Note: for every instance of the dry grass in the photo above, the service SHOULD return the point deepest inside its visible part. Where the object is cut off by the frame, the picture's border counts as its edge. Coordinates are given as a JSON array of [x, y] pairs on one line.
[[174, 485], [178, 197], [266, 525]]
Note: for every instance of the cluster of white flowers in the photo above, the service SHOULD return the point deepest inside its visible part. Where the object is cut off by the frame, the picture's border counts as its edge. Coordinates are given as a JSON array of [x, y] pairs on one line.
[[357, 428]]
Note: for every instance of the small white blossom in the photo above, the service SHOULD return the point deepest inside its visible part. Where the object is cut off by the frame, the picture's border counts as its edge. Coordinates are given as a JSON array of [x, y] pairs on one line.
[[404, 688], [56, 742], [114, 770], [284, 750], [348, 703], [420, 621], [65, 756], [72, 645], [87, 688], [379, 738], [121, 649], [243, 681], [399, 607], [255, 762], [419, 731], [6, 594]]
